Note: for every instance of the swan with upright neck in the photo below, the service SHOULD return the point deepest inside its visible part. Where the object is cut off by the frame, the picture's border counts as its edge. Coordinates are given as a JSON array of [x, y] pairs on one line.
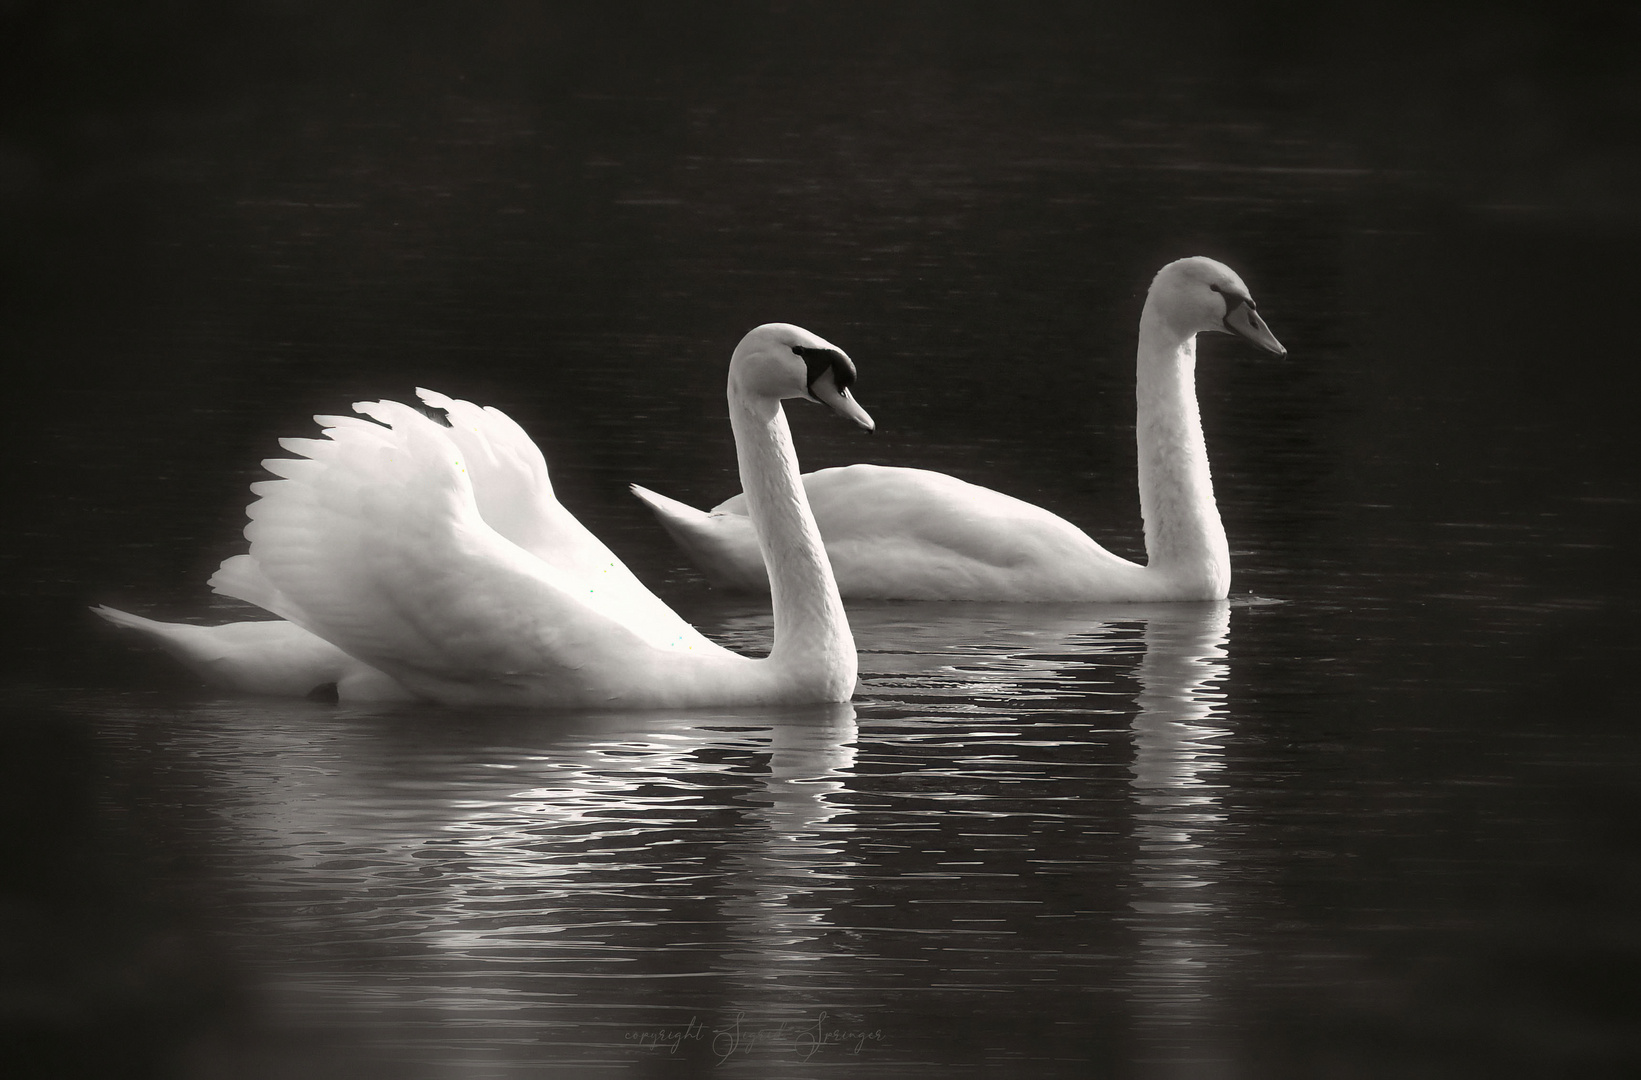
[[912, 534], [413, 560]]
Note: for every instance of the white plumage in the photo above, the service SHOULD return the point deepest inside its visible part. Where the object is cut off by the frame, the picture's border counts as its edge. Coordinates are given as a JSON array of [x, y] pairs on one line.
[[438, 563], [912, 534]]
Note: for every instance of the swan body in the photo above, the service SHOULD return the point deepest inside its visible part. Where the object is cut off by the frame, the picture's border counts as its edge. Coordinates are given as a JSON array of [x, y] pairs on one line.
[[912, 534], [411, 559], [909, 534]]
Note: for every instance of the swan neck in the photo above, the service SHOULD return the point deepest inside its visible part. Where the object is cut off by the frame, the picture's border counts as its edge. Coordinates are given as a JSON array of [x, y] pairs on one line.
[[1184, 536], [812, 637]]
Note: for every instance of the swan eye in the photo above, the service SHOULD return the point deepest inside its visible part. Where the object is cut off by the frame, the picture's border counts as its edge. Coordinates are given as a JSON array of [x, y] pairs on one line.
[[819, 361], [1232, 299]]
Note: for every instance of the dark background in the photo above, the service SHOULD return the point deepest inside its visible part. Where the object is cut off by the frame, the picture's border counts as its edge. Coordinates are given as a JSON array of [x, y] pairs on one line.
[[299, 202], [219, 218]]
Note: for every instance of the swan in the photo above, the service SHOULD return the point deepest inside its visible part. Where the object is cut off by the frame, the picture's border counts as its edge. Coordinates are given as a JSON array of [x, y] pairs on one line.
[[912, 534], [408, 559]]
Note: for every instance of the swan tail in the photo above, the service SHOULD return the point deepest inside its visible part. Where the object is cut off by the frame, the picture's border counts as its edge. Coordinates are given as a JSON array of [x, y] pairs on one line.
[[267, 657], [195, 646], [724, 546], [155, 629], [668, 510]]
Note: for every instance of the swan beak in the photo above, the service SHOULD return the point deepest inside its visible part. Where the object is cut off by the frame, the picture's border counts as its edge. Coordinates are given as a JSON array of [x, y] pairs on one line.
[[825, 390], [1243, 321]]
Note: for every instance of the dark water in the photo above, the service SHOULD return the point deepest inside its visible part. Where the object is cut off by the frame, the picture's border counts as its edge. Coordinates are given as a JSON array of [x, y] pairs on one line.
[[1374, 817]]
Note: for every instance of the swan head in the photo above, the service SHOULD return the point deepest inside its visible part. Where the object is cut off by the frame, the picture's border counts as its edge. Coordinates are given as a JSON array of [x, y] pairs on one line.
[[1199, 295], [779, 361]]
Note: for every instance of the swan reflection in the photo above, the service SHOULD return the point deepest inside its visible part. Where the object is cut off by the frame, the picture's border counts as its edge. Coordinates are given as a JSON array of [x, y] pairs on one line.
[[1177, 811], [1081, 656], [1022, 806], [976, 657], [546, 875]]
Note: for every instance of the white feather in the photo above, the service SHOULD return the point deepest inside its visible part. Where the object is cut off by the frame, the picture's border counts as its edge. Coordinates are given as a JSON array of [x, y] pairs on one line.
[[439, 558], [911, 534]]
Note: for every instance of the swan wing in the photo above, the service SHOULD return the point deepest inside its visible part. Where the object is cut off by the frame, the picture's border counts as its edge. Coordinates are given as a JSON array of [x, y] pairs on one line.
[[864, 502], [515, 496], [511, 487], [918, 534], [374, 540], [875, 503], [241, 577], [914, 534]]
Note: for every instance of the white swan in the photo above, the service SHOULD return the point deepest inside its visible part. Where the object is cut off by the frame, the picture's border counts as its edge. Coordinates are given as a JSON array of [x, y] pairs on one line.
[[911, 534], [417, 560]]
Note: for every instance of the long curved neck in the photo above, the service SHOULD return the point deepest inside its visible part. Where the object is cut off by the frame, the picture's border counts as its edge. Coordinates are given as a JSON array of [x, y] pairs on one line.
[[1184, 537], [812, 638]]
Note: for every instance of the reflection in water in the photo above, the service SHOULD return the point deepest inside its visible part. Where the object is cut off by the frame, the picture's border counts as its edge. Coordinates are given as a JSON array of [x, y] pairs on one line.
[[493, 891], [435, 886], [1174, 911], [1023, 859], [1178, 917], [619, 817], [779, 882]]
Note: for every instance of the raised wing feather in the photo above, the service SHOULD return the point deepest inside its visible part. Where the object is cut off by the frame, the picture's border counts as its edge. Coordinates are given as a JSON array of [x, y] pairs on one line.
[[374, 540], [515, 497]]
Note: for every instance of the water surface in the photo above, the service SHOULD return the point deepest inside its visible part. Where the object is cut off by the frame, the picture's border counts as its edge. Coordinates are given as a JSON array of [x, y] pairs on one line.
[[1372, 817]]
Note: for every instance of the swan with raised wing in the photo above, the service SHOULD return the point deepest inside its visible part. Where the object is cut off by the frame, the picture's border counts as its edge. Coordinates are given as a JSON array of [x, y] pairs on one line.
[[408, 559], [912, 534]]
